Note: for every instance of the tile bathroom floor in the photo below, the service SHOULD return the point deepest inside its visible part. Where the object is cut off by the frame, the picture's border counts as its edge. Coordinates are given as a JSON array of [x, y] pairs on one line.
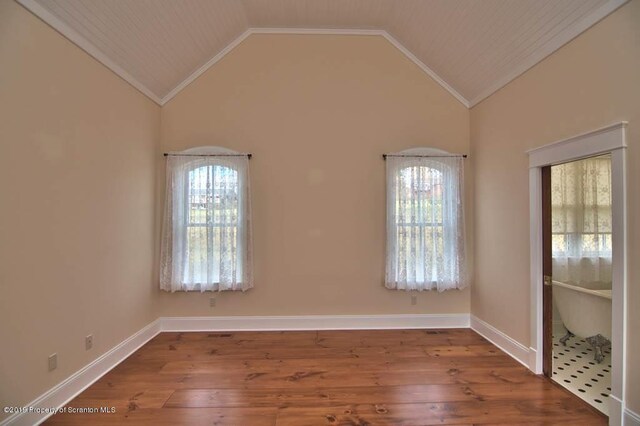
[[575, 369]]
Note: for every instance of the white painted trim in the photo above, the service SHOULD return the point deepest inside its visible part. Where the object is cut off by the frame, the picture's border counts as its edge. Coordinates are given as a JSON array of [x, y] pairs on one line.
[[551, 46], [54, 22], [554, 44], [535, 259], [616, 411], [64, 392], [595, 142], [318, 31], [315, 322], [211, 62], [619, 299], [41, 12], [533, 357], [512, 347], [620, 415], [606, 139], [426, 69], [315, 31], [69, 388], [630, 418]]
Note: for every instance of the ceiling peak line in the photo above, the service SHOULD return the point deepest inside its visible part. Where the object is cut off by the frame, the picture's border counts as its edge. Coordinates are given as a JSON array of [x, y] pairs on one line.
[[315, 31], [445, 39], [65, 30]]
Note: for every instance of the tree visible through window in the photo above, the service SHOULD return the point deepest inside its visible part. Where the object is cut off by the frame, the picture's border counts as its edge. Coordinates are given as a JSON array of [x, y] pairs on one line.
[[419, 221], [212, 223], [206, 239], [425, 221]]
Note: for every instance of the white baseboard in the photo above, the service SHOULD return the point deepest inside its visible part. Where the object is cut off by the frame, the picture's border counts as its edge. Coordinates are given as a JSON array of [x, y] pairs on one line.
[[616, 411], [68, 389], [630, 418], [65, 391], [515, 349], [619, 415], [533, 360], [315, 322]]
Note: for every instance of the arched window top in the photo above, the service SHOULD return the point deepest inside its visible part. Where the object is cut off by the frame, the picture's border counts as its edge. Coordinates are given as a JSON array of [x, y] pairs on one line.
[[424, 151], [427, 157], [201, 156], [209, 150], [425, 220], [207, 232]]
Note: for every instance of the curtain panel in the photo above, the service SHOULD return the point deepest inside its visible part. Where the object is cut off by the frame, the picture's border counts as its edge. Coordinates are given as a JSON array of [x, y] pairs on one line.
[[581, 221], [425, 222], [206, 234]]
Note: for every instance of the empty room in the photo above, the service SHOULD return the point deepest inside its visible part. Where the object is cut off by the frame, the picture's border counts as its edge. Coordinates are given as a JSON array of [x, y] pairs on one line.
[[319, 212]]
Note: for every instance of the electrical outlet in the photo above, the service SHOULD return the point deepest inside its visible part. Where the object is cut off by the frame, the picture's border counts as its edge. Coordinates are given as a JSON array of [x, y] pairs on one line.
[[88, 342], [212, 302], [53, 362], [414, 300]]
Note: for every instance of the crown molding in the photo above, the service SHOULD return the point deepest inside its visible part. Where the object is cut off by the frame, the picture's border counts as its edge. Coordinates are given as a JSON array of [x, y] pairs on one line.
[[211, 62], [54, 22], [315, 31], [555, 43], [425, 68], [537, 56], [50, 19]]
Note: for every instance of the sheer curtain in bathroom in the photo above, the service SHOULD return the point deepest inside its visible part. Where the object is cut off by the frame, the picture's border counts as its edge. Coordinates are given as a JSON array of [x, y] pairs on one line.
[[581, 221]]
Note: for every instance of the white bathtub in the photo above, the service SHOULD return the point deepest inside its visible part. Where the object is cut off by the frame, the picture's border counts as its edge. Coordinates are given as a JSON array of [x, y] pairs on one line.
[[585, 313]]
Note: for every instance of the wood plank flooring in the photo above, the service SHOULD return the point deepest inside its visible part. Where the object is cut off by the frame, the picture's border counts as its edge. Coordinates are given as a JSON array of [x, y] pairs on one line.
[[381, 377]]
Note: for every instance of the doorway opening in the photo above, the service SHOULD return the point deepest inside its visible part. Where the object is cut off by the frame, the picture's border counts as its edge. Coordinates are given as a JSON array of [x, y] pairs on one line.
[[607, 144], [577, 245]]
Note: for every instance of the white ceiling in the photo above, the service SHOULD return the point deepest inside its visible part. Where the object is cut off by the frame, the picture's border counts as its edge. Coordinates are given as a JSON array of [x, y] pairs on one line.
[[471, 47]]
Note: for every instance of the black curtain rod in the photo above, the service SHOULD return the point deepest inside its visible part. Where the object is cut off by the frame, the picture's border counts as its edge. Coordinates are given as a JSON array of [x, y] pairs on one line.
[[177, 154], [384, 156]]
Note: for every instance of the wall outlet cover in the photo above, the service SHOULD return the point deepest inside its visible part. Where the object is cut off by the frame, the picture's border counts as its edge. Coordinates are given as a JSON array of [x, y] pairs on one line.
[[53, 361]]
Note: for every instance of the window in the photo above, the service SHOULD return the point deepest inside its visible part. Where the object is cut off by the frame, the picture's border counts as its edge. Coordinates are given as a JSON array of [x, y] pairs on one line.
[[206, 234], [581, 221], [425, 225]]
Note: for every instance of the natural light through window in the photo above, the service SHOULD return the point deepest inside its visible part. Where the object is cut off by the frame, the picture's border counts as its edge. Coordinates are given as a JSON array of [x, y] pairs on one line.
[[582, 221], [207, 234], [212, 223], [425, 222]]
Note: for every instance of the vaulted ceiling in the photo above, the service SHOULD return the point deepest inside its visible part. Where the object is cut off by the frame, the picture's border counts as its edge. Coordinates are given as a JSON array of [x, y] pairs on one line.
[[471, 47]]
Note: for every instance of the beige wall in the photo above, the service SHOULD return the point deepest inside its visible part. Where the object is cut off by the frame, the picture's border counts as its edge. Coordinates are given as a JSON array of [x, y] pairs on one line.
[[80, 157], [591, 82], [317, 112], [77, 177]]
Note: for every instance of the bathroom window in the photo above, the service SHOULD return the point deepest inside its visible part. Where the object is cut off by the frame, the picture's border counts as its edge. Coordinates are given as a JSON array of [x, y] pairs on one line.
[[206, 236], [581, 202], [425, 226], [581, 221]]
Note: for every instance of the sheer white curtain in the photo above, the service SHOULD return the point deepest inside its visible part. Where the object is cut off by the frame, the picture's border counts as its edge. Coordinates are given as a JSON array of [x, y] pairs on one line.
[[425, 221], [581, 221], [206, 235]]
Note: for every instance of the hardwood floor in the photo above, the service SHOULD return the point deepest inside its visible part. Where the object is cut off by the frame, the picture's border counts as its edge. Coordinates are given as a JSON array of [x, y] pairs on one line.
[[382, 377]]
